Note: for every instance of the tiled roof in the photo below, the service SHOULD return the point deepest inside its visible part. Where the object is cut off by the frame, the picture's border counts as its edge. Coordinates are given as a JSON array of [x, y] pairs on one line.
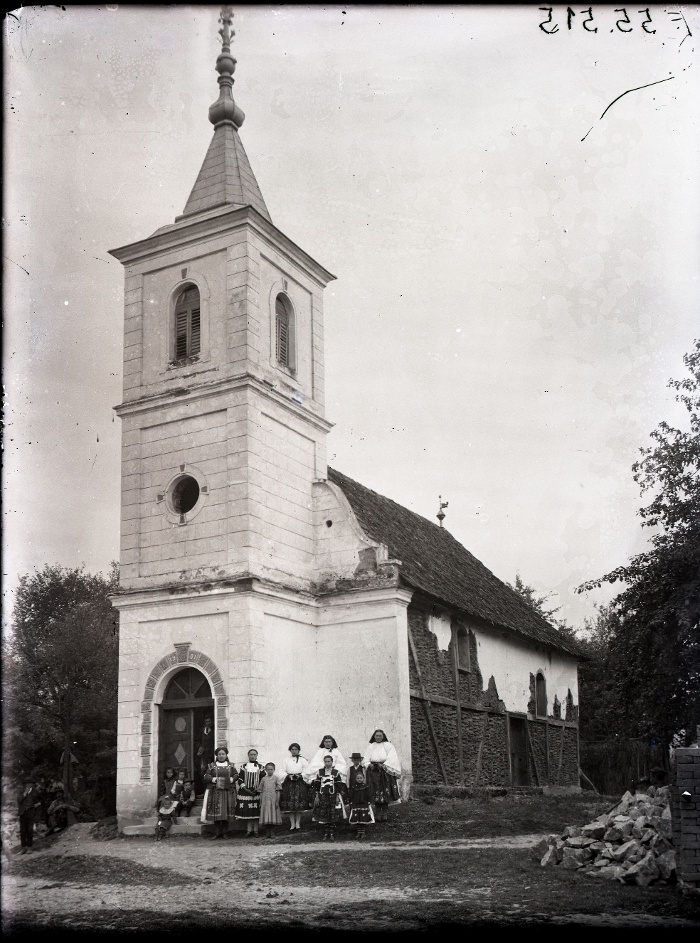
[[433, 561], [226, 176]]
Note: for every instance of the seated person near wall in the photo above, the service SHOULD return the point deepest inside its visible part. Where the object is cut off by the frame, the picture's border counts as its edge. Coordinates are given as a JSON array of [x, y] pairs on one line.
[[186, 798], [167, 812], [58, 812], [178, 785]]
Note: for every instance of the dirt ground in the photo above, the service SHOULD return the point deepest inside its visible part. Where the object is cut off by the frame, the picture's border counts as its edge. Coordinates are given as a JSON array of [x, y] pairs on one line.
[[446, 864]]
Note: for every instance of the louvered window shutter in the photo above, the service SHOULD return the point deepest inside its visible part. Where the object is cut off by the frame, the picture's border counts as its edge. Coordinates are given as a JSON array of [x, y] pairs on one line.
[[181, 335], [194, 333], [282, 333], [188, 334]]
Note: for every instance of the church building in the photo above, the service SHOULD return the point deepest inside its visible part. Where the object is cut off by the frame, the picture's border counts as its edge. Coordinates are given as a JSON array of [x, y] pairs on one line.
[[266, 598]]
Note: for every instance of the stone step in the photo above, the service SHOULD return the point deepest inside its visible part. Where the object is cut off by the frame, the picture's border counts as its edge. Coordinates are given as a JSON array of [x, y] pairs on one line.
[[185, 826]]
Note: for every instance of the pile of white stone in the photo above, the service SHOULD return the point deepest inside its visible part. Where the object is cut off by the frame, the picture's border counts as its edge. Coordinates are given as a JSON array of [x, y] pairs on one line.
[[631, 843]]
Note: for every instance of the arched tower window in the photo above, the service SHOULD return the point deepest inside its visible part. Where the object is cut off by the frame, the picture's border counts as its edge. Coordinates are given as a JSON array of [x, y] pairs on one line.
[[284, 332], [540, 695], [187, 333]]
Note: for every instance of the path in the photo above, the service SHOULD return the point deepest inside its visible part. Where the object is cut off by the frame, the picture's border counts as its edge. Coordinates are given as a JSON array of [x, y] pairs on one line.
[[77, 881]]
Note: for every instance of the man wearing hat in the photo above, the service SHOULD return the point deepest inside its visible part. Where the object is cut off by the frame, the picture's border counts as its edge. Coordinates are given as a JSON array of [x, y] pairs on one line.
[[28, 802], [361, 813]]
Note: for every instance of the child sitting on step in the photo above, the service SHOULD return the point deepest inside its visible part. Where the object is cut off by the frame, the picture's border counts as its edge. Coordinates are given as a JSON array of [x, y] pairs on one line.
[[186, 798], [167, 812]]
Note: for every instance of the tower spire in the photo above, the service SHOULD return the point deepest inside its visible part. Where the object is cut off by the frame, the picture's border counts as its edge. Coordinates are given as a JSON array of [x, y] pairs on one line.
[[226, 177], [225, 108]]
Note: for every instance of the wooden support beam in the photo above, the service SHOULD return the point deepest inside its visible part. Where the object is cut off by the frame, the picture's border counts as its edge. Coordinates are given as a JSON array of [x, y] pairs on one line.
[[510, 758], [481, 749], [583, 776], [434, 698], [450, 702], [426, 706], [532, 751], [455, 676], [561, 754], [546, 755]]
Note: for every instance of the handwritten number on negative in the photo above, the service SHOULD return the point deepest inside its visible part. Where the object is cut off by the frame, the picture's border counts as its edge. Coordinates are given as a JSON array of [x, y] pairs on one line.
[[648, 20], [626, 20], [589, 19], [548, 21]]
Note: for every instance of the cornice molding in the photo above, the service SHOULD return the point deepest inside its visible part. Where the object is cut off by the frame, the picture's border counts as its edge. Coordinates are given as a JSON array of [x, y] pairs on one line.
[[224, 219]]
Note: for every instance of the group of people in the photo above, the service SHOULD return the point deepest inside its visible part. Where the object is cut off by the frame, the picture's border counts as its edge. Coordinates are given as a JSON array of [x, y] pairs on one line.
[[37, 801], [259, 795]]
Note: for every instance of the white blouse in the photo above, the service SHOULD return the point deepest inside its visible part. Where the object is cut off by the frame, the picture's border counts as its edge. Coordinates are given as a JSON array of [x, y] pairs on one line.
[[317, 763], [294, 765], [386, 752]]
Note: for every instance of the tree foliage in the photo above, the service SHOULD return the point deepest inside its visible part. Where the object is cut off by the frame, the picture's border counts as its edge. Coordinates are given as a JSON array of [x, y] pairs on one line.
[[539, 604], [649, 639], [61, 671]]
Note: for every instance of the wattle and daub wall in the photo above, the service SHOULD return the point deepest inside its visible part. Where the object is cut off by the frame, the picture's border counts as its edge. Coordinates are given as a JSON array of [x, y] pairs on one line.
[[461, 728]]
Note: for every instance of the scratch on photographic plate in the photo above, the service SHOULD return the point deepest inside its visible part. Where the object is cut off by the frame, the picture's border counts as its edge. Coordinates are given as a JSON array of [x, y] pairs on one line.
[[623, 95]]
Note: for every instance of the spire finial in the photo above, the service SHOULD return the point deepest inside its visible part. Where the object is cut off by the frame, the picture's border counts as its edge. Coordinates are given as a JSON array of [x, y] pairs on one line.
[[441, 514], [225, 110]]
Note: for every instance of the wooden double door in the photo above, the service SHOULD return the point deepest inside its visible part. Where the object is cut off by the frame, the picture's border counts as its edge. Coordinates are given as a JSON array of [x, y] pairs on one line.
[[187, 736]]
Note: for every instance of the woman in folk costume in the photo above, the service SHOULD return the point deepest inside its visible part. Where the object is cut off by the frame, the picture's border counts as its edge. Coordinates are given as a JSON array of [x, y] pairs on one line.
[[220, 795], [329, 808], [326, 746], [295, 793], [383, 769], [248, 803], [361, 813]]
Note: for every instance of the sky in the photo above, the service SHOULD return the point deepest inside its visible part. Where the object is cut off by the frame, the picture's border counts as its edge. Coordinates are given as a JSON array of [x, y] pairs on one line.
[[511, 214]]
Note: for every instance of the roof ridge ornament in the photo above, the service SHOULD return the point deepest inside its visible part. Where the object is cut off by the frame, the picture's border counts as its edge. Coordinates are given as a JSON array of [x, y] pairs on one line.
[[441, 514], [224, 110]]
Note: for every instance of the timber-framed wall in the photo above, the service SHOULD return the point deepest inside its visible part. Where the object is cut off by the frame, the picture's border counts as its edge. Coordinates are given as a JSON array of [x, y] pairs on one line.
[[461, 730]]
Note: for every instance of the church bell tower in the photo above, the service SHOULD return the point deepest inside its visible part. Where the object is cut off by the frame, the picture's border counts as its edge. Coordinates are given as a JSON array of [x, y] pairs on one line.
[[223, 437]]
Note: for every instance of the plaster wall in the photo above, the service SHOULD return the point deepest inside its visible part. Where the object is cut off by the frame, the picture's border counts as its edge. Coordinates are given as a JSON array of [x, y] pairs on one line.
[[340, 669], [280, 669], [223, 645], [511, 663], [338, 535], [161, 289]]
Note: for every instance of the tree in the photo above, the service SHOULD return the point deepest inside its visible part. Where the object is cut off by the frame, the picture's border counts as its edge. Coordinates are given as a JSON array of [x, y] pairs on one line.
[[652, 628], [61, 671], [539, 604]]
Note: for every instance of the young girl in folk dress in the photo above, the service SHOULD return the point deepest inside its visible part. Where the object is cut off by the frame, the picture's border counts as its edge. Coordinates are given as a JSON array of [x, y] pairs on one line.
[[219, 798], [361, 813], [383, 768], [329, 808], [248, 803], [269, 788], [327, 745], [295, 794]]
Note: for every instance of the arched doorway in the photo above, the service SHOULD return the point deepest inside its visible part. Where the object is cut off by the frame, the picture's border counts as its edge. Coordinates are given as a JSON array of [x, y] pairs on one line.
[[186, 740]]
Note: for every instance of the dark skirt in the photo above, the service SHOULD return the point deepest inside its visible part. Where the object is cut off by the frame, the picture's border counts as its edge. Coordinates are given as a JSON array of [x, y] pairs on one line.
[[361, 810], [248, 807], [295, 795], [330, 809], [383, 787]]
